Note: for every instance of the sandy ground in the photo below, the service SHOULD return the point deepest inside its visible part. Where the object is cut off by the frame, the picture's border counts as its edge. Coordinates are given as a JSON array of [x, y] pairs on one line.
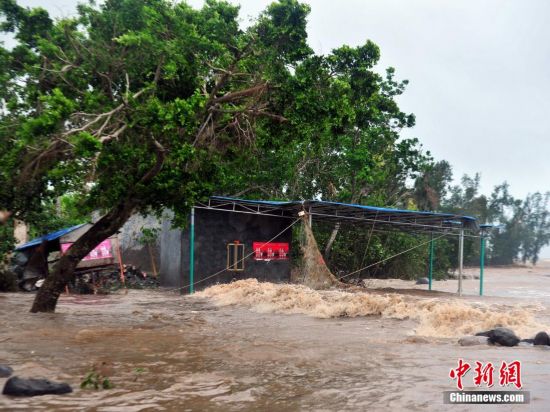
[[250, 346]]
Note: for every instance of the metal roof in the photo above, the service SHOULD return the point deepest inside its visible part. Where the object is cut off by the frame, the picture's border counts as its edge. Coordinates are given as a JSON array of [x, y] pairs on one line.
[[380, 217], [49, 237]]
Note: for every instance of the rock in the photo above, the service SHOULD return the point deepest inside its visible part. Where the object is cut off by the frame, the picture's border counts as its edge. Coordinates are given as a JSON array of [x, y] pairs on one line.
[[16, 386], [416, 339], [529, 341], [542, 338], [501, 336], [422, 281], [473, 340], [525, 344], [5, 371], [464, 276]]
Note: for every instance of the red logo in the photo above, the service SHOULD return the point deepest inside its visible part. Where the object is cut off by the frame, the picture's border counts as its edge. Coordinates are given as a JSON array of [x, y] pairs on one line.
[[509, 374], [459, 372]]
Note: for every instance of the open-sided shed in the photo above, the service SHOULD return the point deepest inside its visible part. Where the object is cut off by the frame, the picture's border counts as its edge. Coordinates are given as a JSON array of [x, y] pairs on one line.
[[231, 238]]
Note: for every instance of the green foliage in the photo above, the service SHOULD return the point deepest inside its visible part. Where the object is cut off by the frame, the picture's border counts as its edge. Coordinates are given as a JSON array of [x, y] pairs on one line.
[[521, 227], [64, 212], [94, 380], [430, 188], [142, 103], [7, 241], [149, 236]]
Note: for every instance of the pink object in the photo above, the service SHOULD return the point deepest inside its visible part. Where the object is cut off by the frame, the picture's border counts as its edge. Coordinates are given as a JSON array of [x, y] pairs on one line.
[[101, 251]]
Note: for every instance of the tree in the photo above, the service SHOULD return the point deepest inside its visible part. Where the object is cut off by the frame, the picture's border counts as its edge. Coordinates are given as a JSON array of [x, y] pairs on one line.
[[521, 227], [537, 225], [342, 140], [430, 188], [136, 106]]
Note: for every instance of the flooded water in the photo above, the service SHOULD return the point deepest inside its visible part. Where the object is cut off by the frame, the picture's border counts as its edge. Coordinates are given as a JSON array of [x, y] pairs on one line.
[[249, 346]]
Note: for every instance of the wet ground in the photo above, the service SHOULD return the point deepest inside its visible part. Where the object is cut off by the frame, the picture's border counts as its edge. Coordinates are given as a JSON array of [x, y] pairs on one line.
[[255, 347]]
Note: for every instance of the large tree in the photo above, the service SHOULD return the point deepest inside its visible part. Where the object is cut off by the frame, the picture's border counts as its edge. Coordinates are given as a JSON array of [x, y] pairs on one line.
[[342, 140], [134, 106]]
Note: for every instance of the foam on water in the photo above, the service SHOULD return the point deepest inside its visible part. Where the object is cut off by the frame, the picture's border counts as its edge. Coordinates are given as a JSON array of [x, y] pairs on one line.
[[436, 317]]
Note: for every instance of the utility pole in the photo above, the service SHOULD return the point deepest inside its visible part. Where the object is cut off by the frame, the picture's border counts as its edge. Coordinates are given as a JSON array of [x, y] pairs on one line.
[[460, 260]]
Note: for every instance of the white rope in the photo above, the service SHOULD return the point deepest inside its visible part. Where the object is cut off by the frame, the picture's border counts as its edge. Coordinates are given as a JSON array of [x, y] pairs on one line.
[[239, 261], [391, 257]]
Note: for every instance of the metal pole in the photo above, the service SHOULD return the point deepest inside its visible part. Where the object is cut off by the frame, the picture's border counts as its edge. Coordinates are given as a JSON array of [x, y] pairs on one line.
[[481, 264], [120, 264], [431, 267], [310, 217], [192, 252], [460, 260]]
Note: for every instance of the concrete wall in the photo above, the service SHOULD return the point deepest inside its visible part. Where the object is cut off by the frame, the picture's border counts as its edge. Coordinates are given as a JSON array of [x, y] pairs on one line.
[[213, 231], [20, 232], [133, 251], [171, 244]]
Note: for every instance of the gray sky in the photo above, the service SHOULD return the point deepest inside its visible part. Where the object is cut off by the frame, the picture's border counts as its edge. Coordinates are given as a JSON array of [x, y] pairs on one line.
[[478, 72]]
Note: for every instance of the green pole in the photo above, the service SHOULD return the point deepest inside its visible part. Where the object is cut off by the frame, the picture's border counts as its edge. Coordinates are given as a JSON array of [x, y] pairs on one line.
[[431, 268], [481, 264], [192, 252]]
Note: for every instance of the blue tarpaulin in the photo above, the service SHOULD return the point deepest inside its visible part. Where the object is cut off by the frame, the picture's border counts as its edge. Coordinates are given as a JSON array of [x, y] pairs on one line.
[[49, 237]]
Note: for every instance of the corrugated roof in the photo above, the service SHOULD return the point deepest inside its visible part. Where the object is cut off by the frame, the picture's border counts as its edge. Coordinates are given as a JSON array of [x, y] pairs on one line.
[[49, 237], [402, 219]]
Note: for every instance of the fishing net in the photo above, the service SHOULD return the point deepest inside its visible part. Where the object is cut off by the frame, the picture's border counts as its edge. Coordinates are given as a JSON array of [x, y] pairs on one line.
[[315, 273]]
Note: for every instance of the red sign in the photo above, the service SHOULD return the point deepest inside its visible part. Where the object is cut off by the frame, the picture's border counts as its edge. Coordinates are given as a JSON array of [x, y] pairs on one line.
[[270, 250], [101, 251]]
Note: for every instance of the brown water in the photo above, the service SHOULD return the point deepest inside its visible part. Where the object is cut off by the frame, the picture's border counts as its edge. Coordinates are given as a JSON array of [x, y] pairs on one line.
[[250, 346]]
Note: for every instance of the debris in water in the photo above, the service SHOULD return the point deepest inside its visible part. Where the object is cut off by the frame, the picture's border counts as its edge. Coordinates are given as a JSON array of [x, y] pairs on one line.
[[104, 282]]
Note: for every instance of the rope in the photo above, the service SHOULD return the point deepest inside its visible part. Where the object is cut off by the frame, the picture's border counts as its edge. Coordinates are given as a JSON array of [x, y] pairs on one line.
[[368, 241], [391, 257], [239, 261]]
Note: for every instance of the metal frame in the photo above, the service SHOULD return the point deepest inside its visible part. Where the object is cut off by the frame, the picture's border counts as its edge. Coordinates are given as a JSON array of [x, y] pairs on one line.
[[390, 219], [386, 219]]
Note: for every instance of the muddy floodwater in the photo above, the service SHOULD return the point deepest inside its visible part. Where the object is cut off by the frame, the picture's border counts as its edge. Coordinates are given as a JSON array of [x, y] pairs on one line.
[[249, 346]]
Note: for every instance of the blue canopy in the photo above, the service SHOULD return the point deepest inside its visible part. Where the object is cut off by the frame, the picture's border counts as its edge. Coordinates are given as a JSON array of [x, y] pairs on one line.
[[49, 237], [381, 217]]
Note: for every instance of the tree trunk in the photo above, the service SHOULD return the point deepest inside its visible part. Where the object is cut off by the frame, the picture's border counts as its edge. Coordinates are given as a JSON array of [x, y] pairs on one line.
[[331, 240], [63, 273]]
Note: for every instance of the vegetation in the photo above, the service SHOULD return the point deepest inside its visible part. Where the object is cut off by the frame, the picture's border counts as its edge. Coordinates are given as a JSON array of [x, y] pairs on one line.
[[94, 380], [134, 107], [521, 227]]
